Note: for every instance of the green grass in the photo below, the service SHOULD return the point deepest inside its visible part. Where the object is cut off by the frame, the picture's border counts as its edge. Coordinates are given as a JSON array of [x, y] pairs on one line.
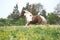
[[32, 32]]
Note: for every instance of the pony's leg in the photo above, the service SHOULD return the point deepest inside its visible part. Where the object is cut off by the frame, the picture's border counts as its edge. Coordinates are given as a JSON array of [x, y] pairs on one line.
[[26, 24], [45, 23], [39, 22]]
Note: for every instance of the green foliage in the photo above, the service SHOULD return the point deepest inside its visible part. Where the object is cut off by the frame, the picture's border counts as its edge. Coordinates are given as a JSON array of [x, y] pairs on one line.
[[43, 13], [21, 21], [30, 33], [2, 21], [14, 14], [52, 18], [57, 10], [14, 18], [34, 8], [10, 22]]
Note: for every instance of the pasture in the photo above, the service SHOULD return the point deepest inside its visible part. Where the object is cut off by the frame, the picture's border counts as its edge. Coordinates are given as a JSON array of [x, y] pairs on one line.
[[32, 32]]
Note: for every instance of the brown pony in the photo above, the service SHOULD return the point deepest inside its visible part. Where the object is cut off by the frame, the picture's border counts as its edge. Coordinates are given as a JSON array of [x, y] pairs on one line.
[[30, 19], [36, 19]]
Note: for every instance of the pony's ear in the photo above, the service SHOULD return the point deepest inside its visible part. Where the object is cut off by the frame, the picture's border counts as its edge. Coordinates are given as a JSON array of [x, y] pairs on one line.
[[22, 13], [19, 14], [24, 10]]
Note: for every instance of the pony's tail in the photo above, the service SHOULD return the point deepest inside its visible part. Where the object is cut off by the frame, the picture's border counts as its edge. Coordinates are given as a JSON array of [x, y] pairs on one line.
[[39, 13]]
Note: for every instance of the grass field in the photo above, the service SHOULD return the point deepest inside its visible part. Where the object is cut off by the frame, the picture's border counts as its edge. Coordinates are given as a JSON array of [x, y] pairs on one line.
[[32, 32]]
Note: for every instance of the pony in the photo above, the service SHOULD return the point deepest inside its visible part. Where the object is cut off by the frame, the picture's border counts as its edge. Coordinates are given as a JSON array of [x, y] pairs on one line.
[[44, 21], [30, 19]]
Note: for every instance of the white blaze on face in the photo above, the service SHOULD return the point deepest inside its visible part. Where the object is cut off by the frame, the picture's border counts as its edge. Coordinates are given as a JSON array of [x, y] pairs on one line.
[[28, 16]]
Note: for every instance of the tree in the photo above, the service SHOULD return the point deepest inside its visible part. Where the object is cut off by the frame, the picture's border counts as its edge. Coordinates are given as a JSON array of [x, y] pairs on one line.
[[38, 7], [57, 10], [43, 13], [33, 8], [15, 13], [14, 16], [53, 18], [28, 6], [2, 21]]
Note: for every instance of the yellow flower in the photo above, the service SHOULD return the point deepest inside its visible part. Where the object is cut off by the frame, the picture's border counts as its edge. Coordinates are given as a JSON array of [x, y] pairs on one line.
[[34, 35], [13, 28], [21, 34], [23, 38]]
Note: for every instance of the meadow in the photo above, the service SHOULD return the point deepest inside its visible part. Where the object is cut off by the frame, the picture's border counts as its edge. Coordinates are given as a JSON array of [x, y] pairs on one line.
[[32, 32]]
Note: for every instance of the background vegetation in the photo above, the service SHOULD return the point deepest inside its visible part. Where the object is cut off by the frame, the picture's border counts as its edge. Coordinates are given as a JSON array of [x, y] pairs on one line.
[[14, 19]]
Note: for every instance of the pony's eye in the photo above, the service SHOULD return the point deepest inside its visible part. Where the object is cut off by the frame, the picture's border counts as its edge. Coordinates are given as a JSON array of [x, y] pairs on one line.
[[30, 15]]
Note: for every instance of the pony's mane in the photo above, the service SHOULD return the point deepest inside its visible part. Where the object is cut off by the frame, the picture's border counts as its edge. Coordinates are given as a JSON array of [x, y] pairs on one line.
[[25, 10]]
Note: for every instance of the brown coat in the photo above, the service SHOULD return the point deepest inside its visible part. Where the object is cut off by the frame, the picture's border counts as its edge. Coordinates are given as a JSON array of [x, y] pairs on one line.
[[36, 19]]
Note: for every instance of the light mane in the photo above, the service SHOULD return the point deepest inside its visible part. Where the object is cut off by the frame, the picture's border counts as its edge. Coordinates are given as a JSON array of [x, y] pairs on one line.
[[27, 13], [25, 10]]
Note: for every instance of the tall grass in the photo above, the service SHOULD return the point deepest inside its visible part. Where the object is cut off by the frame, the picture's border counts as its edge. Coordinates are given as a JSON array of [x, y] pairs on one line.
[[32, 32]]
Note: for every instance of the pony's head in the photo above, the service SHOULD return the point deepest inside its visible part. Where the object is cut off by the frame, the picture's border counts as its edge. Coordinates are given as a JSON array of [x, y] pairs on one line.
[[22, 13], [25, 12]]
